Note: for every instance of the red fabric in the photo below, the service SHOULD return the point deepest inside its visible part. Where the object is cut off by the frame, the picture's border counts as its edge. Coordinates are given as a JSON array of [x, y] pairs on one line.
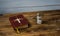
[[23, 20]]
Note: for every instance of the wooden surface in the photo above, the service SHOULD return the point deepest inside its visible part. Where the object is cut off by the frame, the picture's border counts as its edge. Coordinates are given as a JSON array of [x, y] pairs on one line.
[[49, 27]]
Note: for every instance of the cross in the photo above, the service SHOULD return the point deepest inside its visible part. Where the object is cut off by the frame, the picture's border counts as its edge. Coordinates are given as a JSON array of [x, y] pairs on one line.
[[18, 19]]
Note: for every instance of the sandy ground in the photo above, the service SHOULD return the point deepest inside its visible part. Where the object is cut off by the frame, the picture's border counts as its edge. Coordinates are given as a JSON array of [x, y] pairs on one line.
[[49, 27]]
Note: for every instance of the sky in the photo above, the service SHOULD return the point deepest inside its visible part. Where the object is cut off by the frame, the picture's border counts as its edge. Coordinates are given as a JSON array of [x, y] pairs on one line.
[[15, 6]]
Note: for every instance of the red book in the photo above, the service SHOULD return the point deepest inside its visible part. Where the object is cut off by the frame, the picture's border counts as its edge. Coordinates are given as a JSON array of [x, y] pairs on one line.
[[18, 20]]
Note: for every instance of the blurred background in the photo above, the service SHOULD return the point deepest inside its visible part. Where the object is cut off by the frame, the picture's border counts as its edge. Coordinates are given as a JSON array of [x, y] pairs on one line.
[[15, 6], [50, 19]]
